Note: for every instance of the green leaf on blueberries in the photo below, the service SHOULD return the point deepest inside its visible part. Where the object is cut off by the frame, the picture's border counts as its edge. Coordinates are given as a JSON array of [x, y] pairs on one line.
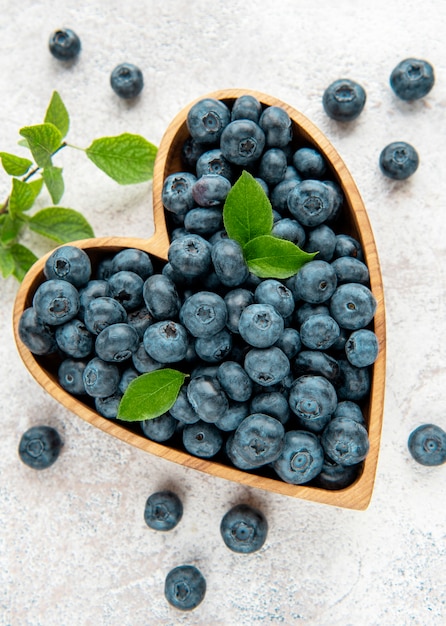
[[15, 165], [23, 259], [247, 212], [150, 395], [22, 196], [126, 158], [54, 182], [43, 140], [271, 257], [61, 225], [57, 114]]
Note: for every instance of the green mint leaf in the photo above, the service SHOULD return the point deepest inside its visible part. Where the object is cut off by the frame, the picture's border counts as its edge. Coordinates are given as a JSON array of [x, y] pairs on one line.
[[61, 225], [150, 395], [22, 197], [9, 229], [44, 140], [53, 179], [15, 165], [23, 259], [57, 114], [7, 264], [271, 257], [126, 158], [36, 186], [247, 212]]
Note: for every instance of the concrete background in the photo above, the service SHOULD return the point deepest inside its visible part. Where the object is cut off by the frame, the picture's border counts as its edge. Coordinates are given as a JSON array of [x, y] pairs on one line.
[[74, 548]]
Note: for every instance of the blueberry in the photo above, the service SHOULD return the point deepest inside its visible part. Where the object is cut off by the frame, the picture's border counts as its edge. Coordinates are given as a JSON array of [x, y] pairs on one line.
[[350, 270], [242, 142], [259, 439], [362, 347], [276, 124], [127, 288], [185, 587], [347, 408], [322, 240], [309, 162], [234, 381], [266, 366], [202, 439], [229, 263], [161, 428], [314, 283], [191, 151], [108, 407], [289, 342], [236, 301], [246, 107], [142, 362], [311, 202], [104, 268], [352, 305], [211, 190], [163, 510], [335, 476], [319, 332], [207, 119], [127, 80], [204, 314], [272, 166], [177, 192], [127, 376], [161, 297], [318, 363], [276, 294], [133, 260], [69, 263], [64, 44], [214, 349], [70, 376], [74, 339], [260, 325], [116, 343], [306, 309], [354, 382], [301, 458], [398, 160], [182, 410], [279, 194], [345, 441], [412, 79], [56, 302], [40, 447], [103, 311], [101, 379], [313, 400], [203, 221], [233, 417], [140, 319], [37, 336], [213, 162], [290, 230], [344, 100], [244, 529], [273, 403], [190, 256], [427, 445], [166, 341], [207, 398], [97, 288], [346, 245]]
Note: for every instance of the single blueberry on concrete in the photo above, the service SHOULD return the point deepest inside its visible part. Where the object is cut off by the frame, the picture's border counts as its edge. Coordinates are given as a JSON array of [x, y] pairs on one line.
[[344, 100], [244, 529], [185, 587], [127, 80], [412, 79], [64, 44], [163, 510], [427, 445], [39, 447]]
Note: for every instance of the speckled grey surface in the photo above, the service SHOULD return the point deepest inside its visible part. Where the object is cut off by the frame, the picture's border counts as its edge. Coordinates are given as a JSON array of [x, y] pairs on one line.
[[74, 548]]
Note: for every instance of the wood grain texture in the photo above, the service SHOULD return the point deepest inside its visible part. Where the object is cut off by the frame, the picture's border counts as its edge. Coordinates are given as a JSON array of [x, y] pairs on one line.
[[44, 370]]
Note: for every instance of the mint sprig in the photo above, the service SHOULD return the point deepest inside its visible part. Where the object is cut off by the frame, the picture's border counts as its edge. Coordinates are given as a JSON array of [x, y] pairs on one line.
[[248, 218], [126, 158], [150, 395]]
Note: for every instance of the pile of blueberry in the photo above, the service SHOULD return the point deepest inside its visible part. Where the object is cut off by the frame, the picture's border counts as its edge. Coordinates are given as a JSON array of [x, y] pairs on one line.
[[279, 369]]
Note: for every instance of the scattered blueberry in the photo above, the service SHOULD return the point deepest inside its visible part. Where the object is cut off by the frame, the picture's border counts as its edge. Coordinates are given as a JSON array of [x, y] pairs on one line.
[[427, 445], [185, 587], [127, 80], [344, 100], [244, 529], [398, 160], [163, 510], [412, 79], [40, 446], [64, 44]]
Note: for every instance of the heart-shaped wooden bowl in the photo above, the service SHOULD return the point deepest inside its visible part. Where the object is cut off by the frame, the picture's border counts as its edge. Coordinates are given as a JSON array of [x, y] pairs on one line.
[[355, 222]]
